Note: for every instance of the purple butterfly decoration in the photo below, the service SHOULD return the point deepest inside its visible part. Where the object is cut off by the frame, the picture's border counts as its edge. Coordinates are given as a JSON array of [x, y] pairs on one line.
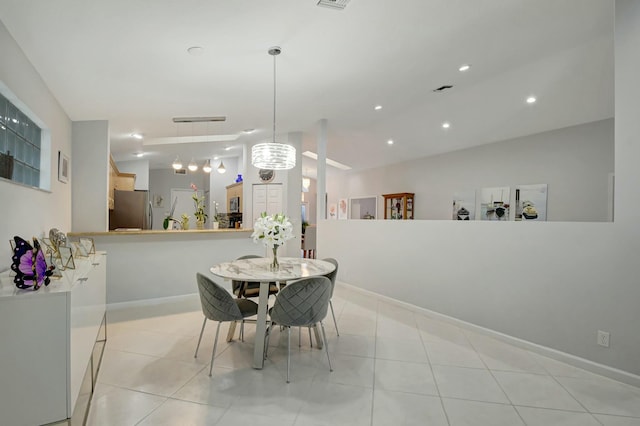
[[30, 265]]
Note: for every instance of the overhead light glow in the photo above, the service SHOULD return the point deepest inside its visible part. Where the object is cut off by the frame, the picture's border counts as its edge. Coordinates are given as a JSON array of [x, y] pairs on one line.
[[139, 154], [228, 148], [177, 164], [248, 131], [378, 107], [464, 67], [531, 100], [446, 125], [221, 168], [207, 167], [193, 166], [390, 142], [137, 136]]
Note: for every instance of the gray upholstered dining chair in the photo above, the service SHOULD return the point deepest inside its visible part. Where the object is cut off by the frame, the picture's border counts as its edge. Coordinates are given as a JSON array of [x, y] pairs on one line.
[[302, 303], [332, 277], [250, 289], [219, 305]]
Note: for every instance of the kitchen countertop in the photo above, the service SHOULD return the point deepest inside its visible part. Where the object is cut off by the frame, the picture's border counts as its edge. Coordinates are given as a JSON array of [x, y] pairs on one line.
[[158, 232]]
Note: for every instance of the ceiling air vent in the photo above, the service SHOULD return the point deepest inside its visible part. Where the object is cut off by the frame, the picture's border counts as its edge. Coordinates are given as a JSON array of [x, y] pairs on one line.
[[443, 88], [334, 4], [180, 171]]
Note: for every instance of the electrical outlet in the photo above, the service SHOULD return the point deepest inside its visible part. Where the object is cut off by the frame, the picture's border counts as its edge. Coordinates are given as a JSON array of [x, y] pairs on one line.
[[603, 338]]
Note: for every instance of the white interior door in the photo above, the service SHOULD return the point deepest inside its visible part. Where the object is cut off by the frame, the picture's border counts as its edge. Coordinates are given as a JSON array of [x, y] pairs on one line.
[[266, 198]]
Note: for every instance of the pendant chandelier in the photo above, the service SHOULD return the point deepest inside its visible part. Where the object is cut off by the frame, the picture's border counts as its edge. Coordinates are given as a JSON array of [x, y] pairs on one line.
[[273, 155]]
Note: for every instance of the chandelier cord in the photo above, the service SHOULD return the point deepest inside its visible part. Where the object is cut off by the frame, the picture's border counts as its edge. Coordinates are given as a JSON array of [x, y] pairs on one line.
[[274, 98]]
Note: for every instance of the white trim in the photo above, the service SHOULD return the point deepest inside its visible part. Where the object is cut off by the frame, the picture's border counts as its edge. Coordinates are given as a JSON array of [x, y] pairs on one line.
[[585, 364]]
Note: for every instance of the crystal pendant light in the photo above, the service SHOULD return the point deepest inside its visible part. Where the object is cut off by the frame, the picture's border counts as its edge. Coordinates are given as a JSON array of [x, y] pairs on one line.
[[273, 155]]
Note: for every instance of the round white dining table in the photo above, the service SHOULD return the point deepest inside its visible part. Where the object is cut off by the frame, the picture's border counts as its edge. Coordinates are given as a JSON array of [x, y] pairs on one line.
[[257, 270]]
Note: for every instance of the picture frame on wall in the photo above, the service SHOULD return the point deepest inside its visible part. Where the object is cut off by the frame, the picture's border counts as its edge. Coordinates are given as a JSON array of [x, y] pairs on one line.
[[63, 167]]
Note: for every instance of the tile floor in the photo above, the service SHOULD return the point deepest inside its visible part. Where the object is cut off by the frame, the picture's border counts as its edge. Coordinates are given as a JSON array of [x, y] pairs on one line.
[[391, 367]]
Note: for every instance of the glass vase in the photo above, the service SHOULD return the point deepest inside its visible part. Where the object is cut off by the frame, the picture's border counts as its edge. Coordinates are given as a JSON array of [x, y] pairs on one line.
[[274, 265]]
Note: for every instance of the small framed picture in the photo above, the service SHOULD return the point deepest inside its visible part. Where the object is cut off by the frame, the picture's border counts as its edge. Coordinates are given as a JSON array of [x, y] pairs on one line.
[[63, 167]]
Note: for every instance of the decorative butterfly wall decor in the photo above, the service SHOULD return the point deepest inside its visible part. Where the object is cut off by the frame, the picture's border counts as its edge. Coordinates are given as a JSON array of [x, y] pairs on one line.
[[30, 265]]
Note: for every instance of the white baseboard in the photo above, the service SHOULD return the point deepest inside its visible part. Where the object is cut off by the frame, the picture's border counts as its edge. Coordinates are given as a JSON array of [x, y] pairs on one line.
[[585, 364]]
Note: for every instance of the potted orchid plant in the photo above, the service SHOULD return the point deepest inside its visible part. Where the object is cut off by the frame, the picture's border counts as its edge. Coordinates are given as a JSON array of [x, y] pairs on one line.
[[273, 230], [198, 202]]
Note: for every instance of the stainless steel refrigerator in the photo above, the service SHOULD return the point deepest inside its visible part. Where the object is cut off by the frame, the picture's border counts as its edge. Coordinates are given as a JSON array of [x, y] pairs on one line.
[[131, 210]]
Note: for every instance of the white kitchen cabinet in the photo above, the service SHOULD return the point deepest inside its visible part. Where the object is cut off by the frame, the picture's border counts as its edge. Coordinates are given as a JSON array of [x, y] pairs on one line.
[[48, 344]]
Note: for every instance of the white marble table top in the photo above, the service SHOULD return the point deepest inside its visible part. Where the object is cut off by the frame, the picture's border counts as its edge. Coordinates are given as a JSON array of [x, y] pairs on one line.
[[257, 269]]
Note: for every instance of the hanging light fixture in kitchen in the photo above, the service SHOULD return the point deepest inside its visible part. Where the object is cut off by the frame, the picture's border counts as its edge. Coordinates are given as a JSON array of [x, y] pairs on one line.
[[273, 155]]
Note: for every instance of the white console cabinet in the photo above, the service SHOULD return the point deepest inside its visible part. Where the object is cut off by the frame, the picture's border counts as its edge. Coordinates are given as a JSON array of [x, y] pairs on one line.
[[51, 343]]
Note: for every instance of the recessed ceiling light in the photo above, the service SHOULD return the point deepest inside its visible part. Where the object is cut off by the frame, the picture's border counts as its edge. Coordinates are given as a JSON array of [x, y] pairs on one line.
[[464, 67], [390, 142], [378, 107], [228, 148], [531, 100], [216, 157], [139, 154], [137, 136], [446, 125], [248, 131], [195, 50]]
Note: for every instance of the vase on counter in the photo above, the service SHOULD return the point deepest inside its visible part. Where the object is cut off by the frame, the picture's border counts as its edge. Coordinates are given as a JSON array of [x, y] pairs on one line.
[[216, 225], [200, 224], [239, 179], [274, 265]]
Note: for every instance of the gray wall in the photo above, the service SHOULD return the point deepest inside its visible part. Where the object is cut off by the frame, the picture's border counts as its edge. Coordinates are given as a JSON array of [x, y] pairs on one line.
[[575, 162]]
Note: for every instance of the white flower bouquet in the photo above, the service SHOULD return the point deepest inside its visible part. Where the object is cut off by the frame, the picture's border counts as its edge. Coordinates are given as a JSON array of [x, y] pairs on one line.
[[273, 231]]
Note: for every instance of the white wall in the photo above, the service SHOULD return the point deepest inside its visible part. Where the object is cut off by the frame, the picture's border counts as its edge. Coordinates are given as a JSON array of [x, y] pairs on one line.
[[552, 283], [26, 211], [575, 163], [138, 167], [90, 176]]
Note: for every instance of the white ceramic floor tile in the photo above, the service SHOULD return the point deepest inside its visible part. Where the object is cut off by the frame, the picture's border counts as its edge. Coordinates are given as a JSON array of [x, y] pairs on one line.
[[535, 390], [604, 396], [468, 383], [183, 413], [543, 417], [348, 370], [406, 409], [122, 407], [333, 404], [459, 354], [351, 344], [221, 389], [400, 349], [561, 369], [149, 357], [159, 376], [402, 376], [474, 413], [241, 417], [617, 420], [503, 357]]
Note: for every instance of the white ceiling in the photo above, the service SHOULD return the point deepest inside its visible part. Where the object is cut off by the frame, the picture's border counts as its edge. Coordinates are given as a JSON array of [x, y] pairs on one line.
[[126, 61]]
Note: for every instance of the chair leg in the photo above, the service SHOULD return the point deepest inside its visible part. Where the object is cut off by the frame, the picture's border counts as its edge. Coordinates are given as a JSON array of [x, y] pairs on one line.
[[200, 339], [215, 346], [326, 347], [310, 339], [288, 351], [266, 343], [242, 331], [299, 337], [334, 318]]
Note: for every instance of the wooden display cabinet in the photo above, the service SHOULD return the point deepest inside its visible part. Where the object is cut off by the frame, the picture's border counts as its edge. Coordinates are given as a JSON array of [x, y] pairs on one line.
[[398, 206]]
